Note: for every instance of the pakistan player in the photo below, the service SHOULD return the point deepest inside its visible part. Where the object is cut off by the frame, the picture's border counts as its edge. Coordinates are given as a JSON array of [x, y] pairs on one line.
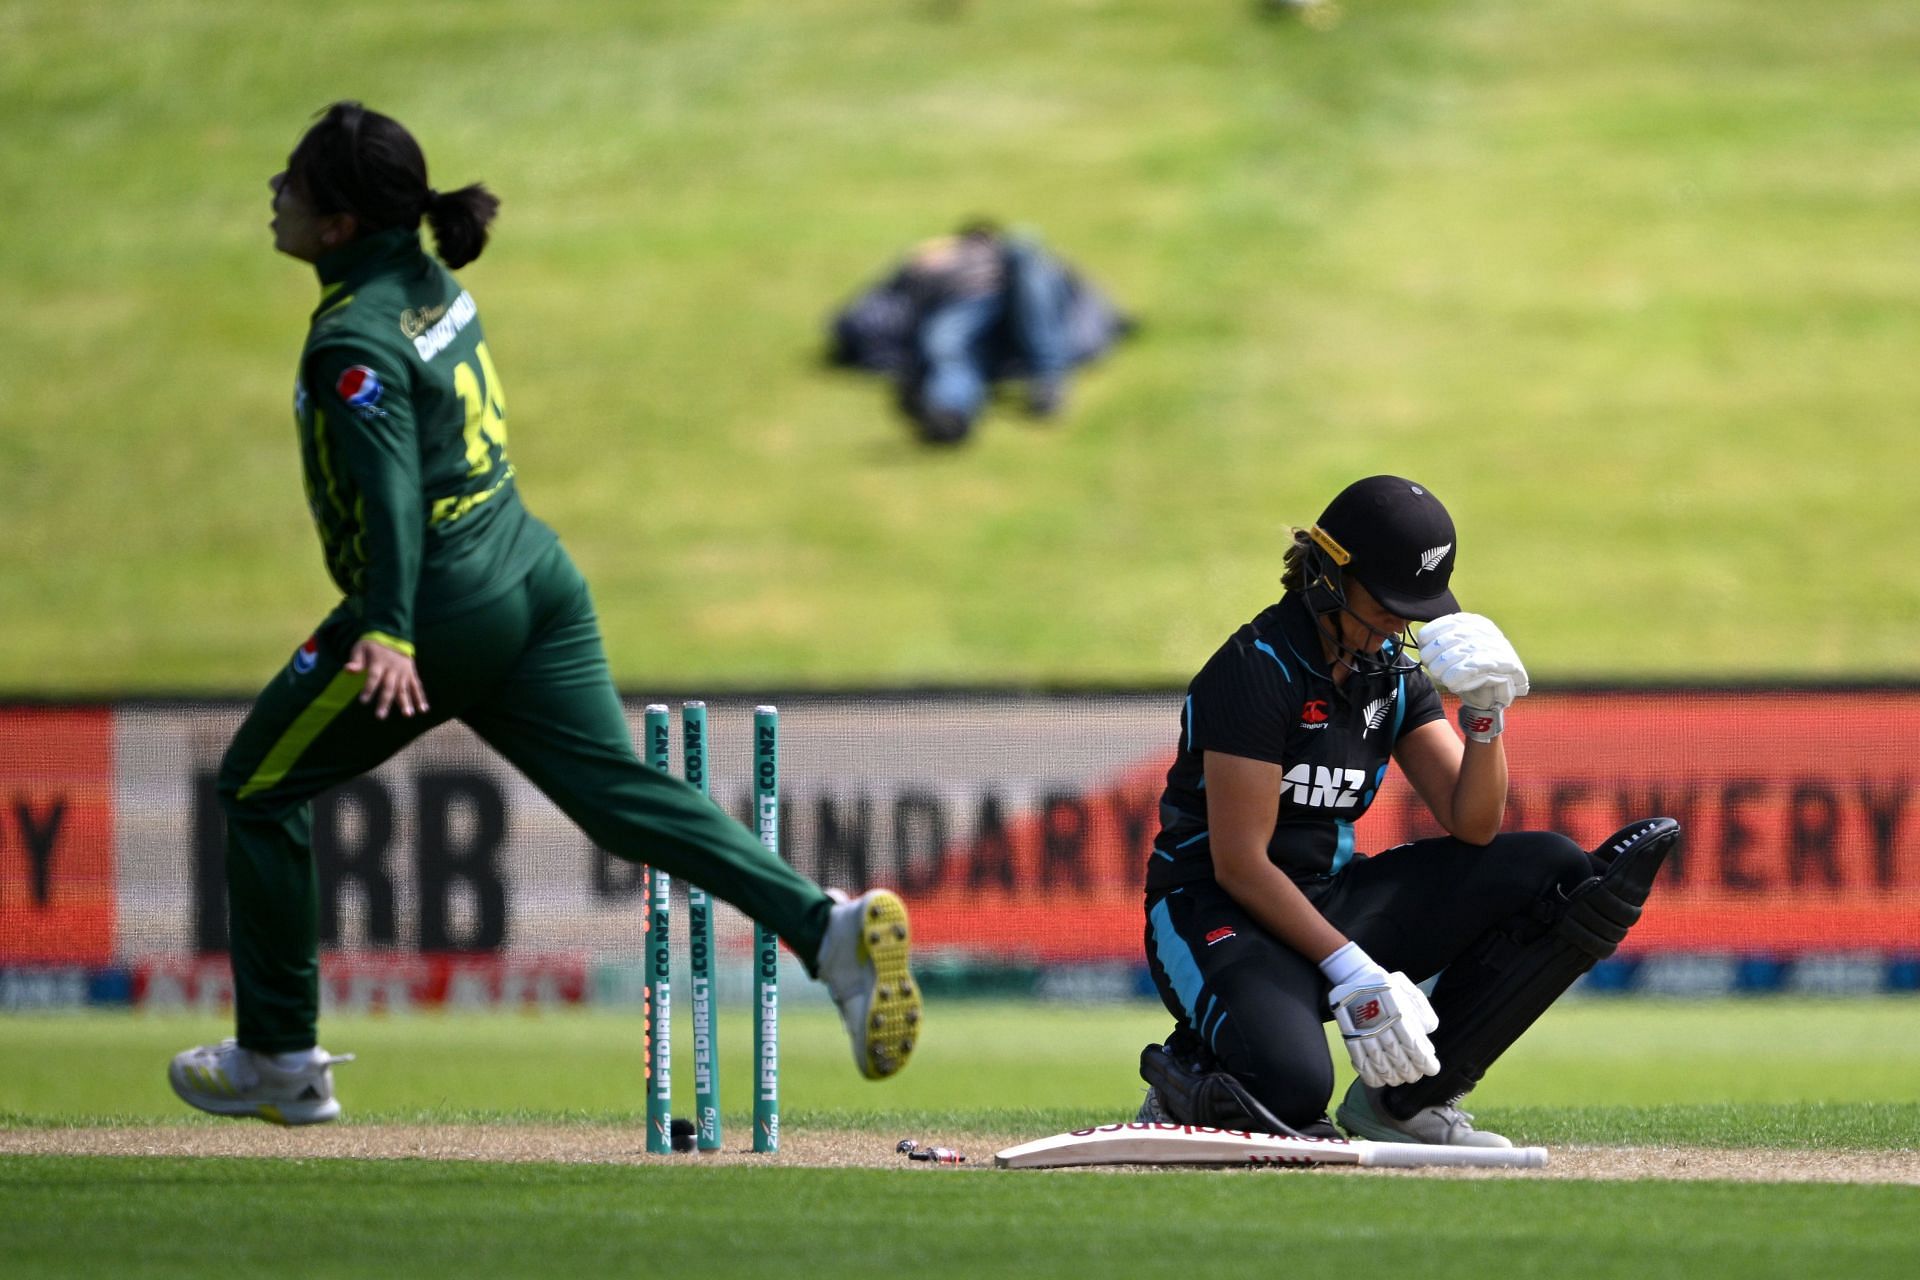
[[458, 604], [1264, 921]]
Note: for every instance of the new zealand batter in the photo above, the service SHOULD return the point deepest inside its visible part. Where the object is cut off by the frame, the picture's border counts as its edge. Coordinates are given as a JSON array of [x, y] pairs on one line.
[[1262, 919], [458, 604]]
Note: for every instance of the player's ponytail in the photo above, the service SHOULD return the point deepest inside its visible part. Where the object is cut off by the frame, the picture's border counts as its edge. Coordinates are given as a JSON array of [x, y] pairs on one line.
[[459, 220], [360, 162]]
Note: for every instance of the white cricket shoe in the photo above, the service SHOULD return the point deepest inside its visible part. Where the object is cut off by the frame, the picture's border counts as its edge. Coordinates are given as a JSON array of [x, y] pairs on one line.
[[230, 1081], [1364, 1116], [863, 960]]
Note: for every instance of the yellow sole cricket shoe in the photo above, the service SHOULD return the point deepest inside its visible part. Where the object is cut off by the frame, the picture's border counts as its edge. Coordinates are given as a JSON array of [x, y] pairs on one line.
[[227, 1080], [864, 960]]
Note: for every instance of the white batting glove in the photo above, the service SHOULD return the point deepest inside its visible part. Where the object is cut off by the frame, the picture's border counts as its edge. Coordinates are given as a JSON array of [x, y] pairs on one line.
[[1384, 1019], [1469, 657]]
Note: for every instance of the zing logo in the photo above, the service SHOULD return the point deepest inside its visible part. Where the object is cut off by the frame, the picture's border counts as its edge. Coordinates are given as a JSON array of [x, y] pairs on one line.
[[1313, 715], [1220, 935]]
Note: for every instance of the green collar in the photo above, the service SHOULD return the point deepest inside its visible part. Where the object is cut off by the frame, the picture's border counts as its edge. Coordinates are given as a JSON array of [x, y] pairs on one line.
[[344, 264]]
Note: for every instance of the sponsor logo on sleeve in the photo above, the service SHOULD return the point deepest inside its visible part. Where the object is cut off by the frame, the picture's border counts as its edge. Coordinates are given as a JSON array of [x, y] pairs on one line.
[[360, 387], [1220, 935], [306, 656]]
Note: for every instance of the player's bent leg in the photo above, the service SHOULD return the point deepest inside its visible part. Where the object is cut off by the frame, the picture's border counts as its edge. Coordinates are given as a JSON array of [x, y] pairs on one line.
[[1250, 1052], [1187, 1085], [1491, 994], [227, 1080]]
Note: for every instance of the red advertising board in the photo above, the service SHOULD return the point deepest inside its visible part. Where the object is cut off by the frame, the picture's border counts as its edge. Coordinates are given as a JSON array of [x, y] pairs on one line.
[[1802, 831], [56, 835]]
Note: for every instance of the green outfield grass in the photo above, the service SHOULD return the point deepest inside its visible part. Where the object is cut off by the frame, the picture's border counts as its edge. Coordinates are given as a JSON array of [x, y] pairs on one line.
[[1798, 1075], [1842, 1074], [1836, 1076], [1629, 284], [193, 1218]]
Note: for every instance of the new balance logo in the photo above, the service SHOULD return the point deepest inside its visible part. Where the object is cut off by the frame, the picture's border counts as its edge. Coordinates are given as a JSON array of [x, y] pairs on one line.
[[1431, 559], [1366, 1013]]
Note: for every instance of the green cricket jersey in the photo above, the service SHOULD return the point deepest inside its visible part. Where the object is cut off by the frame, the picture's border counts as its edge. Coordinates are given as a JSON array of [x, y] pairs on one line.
[[403, 440]]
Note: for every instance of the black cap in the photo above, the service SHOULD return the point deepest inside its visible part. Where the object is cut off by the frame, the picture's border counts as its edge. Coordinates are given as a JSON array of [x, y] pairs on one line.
[[1396, 538]]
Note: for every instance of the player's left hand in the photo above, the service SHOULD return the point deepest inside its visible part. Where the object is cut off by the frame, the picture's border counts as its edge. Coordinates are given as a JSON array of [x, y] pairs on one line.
[[1469, 657], [392, 679], [1384, 1018]]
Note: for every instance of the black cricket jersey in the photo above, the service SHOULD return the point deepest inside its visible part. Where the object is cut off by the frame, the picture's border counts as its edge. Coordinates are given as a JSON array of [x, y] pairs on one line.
[[1266, 694]]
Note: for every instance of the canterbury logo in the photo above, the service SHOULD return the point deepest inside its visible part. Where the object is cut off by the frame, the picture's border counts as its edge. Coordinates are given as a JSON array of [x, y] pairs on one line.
[[1376, 714], [1431, 559]]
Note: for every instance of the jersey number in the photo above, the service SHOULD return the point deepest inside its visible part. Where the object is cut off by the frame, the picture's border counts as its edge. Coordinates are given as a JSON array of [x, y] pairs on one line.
[[486, 407]]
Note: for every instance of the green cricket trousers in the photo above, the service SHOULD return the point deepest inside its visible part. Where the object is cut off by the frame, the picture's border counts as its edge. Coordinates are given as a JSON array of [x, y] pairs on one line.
[[526, 672]]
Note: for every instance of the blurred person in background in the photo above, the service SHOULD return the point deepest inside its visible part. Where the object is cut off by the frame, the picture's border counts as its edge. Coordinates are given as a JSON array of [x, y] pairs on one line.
[[985, 299], [457, 603], [967, 311], [1264, 921]]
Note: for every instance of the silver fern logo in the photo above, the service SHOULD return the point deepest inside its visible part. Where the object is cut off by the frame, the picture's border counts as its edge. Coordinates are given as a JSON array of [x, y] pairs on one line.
[[1376, 714], [1431, 559]]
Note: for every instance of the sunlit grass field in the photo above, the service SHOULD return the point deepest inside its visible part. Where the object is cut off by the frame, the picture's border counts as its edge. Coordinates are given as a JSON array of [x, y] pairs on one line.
[[990, 1064], [1630, 285], [1819, 1077]]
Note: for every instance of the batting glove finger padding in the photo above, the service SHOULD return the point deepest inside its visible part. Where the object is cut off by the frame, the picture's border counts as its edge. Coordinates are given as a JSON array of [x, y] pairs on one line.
[[1386, 1022], [1468, 656]]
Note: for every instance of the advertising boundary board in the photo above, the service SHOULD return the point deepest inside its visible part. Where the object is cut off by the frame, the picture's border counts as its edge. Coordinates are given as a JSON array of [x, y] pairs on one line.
[[1016, 823]]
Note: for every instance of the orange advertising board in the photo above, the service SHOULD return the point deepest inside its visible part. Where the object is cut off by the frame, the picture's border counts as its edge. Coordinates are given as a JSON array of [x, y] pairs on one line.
[[1801, 816], [57, 890]]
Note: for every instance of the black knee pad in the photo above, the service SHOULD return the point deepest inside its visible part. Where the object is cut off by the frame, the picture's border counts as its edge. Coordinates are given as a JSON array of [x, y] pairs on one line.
[[1194, 1090], [1508, 978]]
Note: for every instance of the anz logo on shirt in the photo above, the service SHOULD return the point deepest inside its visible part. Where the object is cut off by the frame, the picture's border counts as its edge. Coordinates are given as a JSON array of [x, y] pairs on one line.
[[1315, 786]]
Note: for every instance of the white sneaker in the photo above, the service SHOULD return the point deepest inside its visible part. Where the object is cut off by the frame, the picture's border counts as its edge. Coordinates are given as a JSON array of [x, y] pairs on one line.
[[1364, 1116], [863, 961], [230, 1081]]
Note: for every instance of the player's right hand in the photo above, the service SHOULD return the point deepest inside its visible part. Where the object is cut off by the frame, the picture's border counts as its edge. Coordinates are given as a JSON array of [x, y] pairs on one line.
[[392, 679], [1385, 1021], [1469, 657]]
